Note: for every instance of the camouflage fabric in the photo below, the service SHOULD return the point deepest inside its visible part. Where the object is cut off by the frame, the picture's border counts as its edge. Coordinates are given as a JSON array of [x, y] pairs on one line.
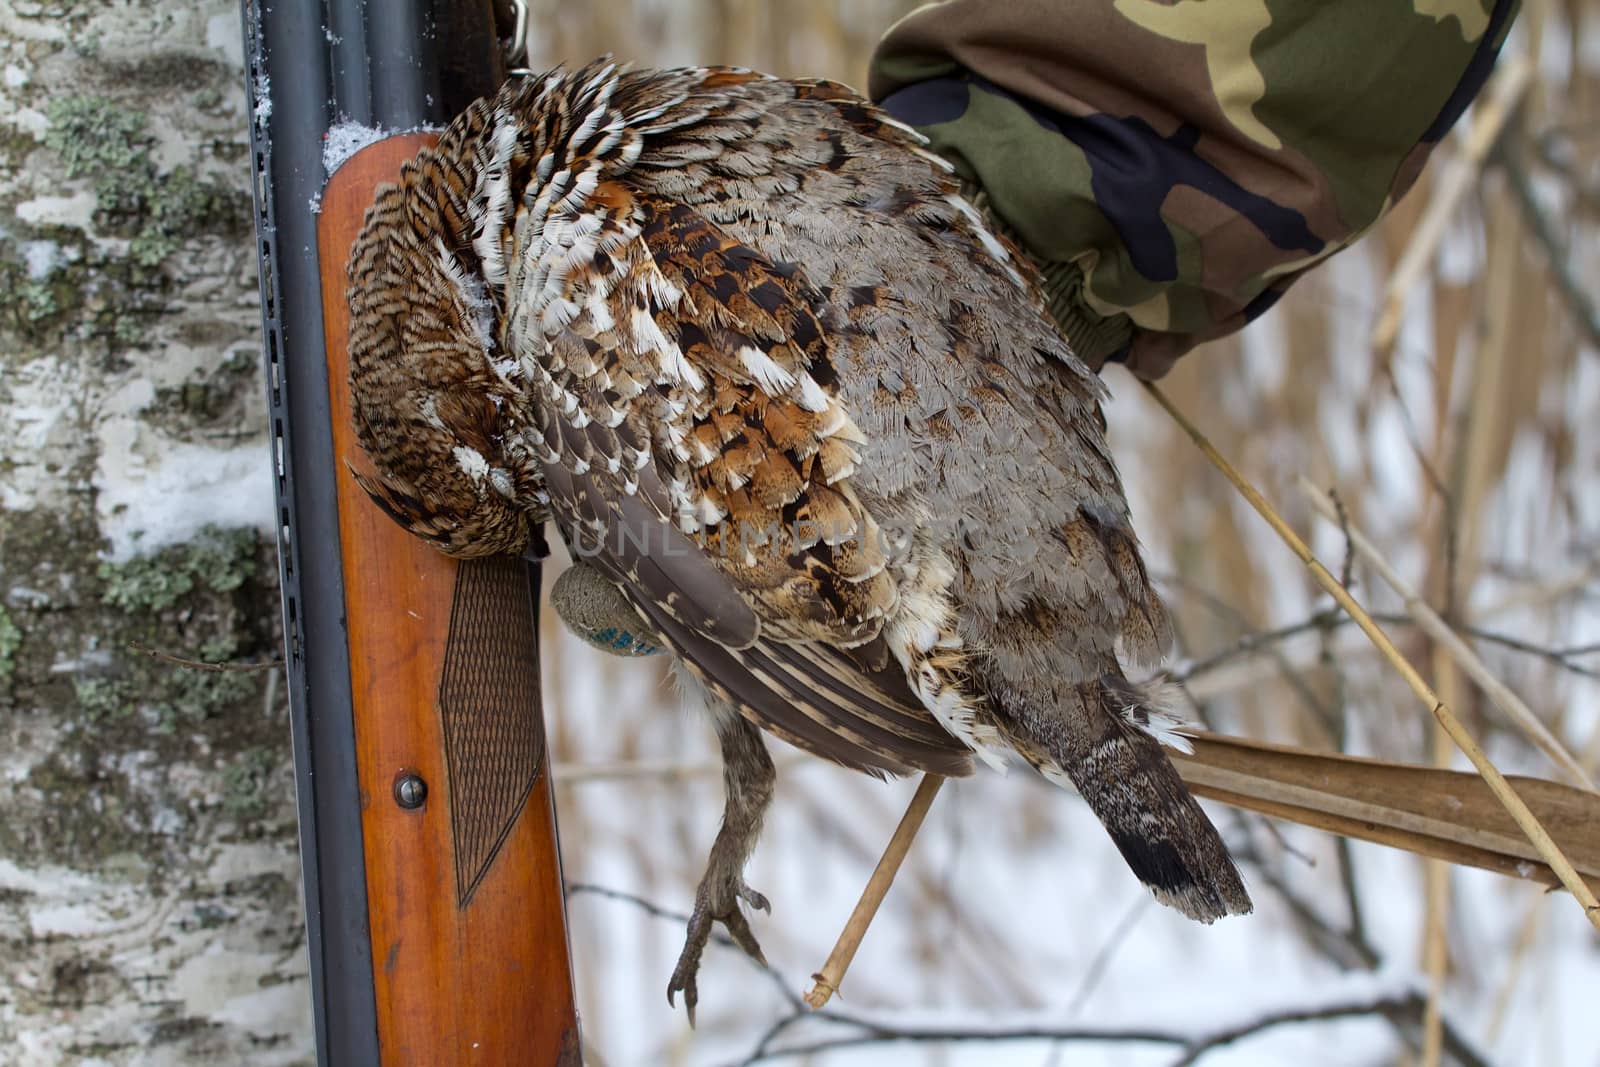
[[1176, 166]]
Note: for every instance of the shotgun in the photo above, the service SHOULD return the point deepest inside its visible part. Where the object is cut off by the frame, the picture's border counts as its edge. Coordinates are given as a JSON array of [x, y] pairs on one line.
[[434, 905]]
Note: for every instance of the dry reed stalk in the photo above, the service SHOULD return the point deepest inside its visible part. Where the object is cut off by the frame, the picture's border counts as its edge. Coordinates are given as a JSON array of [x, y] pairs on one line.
[[826, 981], [1444, 814], [1514, 708], [1524, 818], [1495, 108], [1436, 889], [1492, 404], [1479, 453]]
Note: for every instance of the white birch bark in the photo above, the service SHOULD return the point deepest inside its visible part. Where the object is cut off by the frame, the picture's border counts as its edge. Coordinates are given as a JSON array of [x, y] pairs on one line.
[[149, 888]]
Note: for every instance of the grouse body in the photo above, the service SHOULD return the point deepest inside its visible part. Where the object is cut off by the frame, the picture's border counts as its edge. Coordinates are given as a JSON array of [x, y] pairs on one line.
[[741, 340]]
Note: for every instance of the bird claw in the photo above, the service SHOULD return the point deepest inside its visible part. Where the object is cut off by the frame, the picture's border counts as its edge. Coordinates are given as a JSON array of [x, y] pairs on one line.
[[756, 901], [725, 910]]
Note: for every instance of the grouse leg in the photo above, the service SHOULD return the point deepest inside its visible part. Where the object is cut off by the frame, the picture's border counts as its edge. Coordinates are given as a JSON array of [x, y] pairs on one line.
[[747, 776]]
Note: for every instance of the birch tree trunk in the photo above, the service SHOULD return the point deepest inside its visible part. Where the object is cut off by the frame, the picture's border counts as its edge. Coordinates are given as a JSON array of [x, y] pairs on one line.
[[149, 893]]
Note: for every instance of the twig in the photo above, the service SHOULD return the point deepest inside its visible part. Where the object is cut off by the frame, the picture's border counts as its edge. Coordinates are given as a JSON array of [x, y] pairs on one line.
[[1347, 949], [844, 950], [1436, 891], [1561, 657], [649, 907], [1263, 642], [1222, 674], [1514, 804], [1410, 1003], [1252, 643], [199, 665], [1492, 113], [1192, 1049], [1499, 694], [1348, 567], [878, 1034], [1334, 668], [632, 770], [663, 771], [1578, 584]]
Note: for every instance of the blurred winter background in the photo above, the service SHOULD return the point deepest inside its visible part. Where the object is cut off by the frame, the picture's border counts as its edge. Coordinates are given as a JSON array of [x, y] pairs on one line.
[[149, 891]]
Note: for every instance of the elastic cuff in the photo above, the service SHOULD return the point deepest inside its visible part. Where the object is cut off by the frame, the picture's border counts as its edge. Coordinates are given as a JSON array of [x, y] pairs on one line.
[[1095, 339]]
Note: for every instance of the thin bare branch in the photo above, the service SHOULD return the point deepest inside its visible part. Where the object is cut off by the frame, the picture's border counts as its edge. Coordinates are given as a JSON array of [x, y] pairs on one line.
[[1191, 1049], [201, 665], [1409, 1004]]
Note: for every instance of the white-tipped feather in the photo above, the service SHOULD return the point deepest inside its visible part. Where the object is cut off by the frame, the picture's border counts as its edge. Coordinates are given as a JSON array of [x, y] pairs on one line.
[[896, 124], [811, 397], [613, 134], [917, 627], [709, 513], [990, 243], [495, 185], [605, 79], [772, 378], [590, 124], [471, 462], [1159, 716], [582, 188]]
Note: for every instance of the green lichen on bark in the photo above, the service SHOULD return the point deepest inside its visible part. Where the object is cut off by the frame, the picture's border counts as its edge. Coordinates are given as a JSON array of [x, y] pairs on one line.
[[42, 308], [10, 641], [105, 291], [131, 734], [217, 560], [252, 783], [98, 138]]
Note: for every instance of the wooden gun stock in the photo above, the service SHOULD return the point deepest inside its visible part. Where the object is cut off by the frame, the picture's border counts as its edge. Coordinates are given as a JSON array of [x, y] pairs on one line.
[[465, 897]]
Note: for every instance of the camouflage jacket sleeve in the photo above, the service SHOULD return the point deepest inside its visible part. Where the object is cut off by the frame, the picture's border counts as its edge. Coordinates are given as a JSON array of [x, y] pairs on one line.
[[1175, 166]]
